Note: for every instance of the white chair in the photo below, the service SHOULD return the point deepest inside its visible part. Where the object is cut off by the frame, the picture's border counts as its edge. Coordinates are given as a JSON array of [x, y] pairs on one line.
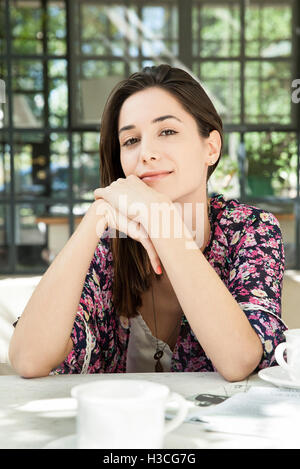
[[14, 295]]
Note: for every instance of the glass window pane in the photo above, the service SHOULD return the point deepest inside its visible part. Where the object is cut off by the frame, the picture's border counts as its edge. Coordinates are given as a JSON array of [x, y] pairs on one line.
[[27, 75], [221, 81], [86, 162], [37, 237], [272, 164], [102, 29], [5, 237], [117, 30], [4, 118], [41, 165], [225, 178], [216, 30], [59, 165], [28, 110], [134, 66], [56, 24], [30, 240], [26, 27], [159, 26], [97, 78], [101, 68], [58, 93], [31, 164], [4, 165], [268, 92], [28, 98], [54, 222], [268, 29], [79, 210]]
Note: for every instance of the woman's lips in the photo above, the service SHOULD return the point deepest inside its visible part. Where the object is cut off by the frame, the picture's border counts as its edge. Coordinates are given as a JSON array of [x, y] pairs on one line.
[[155, 177]]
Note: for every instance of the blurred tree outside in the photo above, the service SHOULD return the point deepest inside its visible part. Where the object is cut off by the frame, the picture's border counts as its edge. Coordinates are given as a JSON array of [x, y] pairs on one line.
[[272, 163]]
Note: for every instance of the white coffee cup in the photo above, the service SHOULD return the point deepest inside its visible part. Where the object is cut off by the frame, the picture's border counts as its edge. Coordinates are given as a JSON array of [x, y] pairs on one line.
[[292, 347], [124, 413]]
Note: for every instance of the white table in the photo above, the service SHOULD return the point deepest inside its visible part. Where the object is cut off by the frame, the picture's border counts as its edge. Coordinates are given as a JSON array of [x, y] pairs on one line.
[[27, 421]]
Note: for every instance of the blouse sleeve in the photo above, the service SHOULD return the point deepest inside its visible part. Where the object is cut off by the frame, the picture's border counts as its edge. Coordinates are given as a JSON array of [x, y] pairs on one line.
[[89, 333], [255, 280]]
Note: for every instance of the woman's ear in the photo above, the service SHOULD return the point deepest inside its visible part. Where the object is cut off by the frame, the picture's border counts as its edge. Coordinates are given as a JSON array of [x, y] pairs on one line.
[[214, 143]]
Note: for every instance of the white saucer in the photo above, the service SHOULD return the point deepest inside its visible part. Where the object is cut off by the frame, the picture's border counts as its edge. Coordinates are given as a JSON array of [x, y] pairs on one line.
[[278, 376], [66, 442], [172, 441]]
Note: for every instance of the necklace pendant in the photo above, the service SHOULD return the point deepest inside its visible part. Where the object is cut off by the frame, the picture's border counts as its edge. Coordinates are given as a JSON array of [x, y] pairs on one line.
[[158, 354], [158, 367]]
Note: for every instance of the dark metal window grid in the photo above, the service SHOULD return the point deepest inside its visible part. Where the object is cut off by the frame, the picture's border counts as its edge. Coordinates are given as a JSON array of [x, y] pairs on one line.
[[185, 55]]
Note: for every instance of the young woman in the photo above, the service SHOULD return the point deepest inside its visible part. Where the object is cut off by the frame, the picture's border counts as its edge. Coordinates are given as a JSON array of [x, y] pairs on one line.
[[208, 298]]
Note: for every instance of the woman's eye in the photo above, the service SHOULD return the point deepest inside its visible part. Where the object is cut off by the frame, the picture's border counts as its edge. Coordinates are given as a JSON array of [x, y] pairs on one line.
[[131, 141], [125, 144], [169, 130]]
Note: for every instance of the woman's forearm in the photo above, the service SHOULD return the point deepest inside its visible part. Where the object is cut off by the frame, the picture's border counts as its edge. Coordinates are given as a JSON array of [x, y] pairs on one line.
[[41, 339], [215, 317]]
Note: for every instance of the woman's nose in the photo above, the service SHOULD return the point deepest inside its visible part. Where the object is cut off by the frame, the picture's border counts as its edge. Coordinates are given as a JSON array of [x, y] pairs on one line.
[[147, 152], [147, 157]]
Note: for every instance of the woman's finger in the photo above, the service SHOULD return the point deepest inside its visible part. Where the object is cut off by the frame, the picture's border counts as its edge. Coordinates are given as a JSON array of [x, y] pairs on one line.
[[133, 229], [137, 231]]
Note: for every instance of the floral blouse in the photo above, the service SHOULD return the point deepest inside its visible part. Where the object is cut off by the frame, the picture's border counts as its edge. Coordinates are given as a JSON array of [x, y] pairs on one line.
[[245, 249]]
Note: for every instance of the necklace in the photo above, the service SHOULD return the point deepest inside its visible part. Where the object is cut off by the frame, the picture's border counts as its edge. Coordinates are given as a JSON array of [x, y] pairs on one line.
[[160, 352]]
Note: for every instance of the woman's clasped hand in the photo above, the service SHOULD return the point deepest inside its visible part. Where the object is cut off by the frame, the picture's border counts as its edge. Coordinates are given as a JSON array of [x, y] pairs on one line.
[[128, 205]]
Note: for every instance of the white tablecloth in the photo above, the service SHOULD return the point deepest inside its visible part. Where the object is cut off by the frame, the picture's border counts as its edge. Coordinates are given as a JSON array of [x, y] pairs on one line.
[[30, 417]]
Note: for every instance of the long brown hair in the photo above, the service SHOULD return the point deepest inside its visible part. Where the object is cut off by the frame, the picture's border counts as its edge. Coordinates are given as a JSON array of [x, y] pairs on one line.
[[132, 268]]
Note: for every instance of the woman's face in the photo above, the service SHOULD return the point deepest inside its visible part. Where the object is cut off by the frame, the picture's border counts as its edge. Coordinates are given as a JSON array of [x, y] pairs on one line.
[[157, 134]]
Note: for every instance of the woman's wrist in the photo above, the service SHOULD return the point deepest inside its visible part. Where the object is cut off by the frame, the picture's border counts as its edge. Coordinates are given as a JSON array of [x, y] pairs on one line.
[[94, 222], [155, 216], [166, 223]]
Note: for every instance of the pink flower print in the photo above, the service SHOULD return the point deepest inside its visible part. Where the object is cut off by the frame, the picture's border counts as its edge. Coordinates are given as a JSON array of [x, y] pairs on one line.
[[110, 257], [241, 214], [275, 253], [259, 293], [268, 346], [268, 280], [232, 274], [265, 216], [273, 243], [254, 301], [220, 236], [262, 229], [235, 238], [272, 263], [238, 216], [250, 240]]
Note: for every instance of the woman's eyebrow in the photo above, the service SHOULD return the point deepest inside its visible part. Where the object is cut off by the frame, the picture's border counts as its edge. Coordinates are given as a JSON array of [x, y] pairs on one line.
[[157, 119]]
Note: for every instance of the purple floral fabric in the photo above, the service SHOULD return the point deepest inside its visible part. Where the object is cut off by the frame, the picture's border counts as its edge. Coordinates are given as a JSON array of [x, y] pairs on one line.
[[245, 249]]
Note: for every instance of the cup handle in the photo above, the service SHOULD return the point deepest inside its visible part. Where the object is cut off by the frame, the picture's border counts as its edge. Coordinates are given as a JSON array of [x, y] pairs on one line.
[[279, 355], [180, 415]]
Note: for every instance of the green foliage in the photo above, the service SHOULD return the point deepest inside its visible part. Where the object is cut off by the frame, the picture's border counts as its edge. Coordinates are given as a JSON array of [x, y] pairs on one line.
[[270, 152]]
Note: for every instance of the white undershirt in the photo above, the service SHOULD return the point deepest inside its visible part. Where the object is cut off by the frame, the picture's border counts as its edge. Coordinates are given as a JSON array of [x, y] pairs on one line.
[[142, 347]]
